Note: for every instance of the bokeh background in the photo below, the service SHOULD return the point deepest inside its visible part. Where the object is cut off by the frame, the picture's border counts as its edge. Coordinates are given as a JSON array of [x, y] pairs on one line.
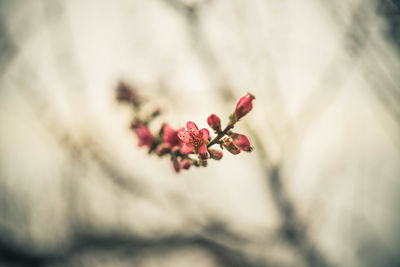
[[321, 188]]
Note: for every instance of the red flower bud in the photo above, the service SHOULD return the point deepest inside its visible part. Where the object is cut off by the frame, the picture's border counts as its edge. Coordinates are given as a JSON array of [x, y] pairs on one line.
[[230, 146], [244, 105], [215, 154], [242, 142], [203, 156], [186, 163], [203, 163], [214, 122], [143, 134], [175, 163]]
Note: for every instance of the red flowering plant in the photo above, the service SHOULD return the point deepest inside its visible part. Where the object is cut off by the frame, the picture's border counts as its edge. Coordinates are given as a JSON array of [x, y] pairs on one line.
[[188, 146]]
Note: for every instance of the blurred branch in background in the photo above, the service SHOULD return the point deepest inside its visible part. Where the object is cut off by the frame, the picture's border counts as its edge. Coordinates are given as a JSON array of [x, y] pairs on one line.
[[364, 47], [126, 246], [227, 247], [292, 231], [7, 47]]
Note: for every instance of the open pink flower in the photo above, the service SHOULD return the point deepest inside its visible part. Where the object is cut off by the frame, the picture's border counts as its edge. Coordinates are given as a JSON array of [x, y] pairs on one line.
[[171, 136], [171, 142], [194, 140]]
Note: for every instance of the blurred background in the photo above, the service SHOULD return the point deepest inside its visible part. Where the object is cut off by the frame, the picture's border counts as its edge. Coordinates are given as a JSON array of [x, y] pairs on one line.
[[321, 188]]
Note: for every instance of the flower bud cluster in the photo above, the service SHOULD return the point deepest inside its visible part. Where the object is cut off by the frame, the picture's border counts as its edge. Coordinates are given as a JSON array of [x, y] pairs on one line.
[[187, 146]]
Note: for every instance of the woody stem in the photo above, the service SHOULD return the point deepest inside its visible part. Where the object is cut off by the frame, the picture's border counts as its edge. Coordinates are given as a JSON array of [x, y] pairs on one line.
[[220, 135]]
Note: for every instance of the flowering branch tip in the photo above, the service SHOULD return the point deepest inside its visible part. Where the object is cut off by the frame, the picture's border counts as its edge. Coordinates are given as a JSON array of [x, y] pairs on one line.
[[187, 146]]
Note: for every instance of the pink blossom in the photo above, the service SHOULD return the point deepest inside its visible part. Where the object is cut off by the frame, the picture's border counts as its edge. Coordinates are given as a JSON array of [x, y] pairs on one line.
[[214, 122], [242, 142], [170, 136], [143, 134], [194, 140], [244, 105]]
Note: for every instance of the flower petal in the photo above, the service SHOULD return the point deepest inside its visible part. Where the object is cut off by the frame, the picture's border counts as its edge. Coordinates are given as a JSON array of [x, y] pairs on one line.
[[168, 133], [170, 136], [183, 135], [144, 135], [205, 133], [242, 142], [203, 149], [187, 149], [192, 127]]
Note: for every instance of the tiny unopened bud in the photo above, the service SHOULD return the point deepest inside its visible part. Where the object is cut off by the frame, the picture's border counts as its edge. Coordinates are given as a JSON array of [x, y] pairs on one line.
[[215, 154], [163, 149], [214, 122], [244, 106], [143, 134], [203, 163], [186, 163], [242, 142], [230, 146], [203, 156], [175, 163]]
